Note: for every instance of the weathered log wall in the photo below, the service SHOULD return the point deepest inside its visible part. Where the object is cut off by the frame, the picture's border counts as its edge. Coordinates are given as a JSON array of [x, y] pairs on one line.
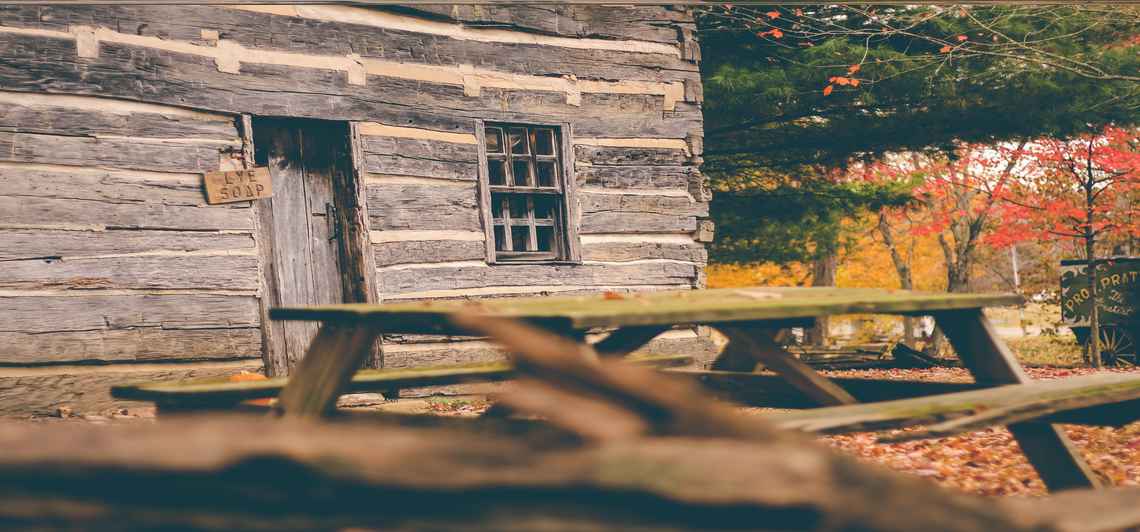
[[109, 115]]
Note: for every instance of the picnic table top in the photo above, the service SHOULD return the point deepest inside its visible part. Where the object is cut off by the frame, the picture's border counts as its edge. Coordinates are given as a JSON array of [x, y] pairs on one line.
[[659, 308]]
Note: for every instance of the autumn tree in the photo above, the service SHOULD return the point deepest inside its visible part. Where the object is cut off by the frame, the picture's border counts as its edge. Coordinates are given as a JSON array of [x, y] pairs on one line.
[[793, 94], [1080, 189]]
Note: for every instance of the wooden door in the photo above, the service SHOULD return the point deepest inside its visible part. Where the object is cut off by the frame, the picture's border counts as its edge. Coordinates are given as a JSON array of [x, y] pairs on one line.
[[300, 226]]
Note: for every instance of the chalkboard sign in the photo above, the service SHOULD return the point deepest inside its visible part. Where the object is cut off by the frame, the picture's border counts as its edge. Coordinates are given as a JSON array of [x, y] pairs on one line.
[[1117, 280], [238, 185]]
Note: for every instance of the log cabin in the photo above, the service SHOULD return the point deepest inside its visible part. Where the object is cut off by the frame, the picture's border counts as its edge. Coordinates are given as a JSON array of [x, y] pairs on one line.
[[411, 153]]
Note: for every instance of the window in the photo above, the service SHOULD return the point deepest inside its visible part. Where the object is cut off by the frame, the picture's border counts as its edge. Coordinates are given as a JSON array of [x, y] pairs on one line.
[[524, 187]]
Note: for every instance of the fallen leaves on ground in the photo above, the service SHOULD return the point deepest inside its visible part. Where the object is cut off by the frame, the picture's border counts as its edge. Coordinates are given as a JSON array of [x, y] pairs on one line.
[[989, 462]]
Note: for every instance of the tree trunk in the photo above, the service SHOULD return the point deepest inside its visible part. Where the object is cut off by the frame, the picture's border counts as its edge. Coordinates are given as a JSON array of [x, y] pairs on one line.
[[906, 279], [823, 274]]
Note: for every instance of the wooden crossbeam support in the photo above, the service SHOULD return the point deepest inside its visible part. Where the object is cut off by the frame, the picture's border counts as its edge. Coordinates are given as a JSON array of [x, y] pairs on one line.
[[991, 362], [749, 346], [325, 372]]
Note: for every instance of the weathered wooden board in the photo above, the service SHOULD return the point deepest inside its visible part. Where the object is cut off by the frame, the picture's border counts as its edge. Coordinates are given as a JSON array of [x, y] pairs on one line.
[[23, 244], [646, 308], [630, 251], [612, 22], [164, 271], [83, 117], [51, 195], [628, 156], [397, 281], [28, 211], [87, 389], [138, 154], [393, 206], [130, 345], [639, 213], [44, 314], [421, 251], [1041, 398], [266, 31], [673, 177], [130, 71], [420, 157]]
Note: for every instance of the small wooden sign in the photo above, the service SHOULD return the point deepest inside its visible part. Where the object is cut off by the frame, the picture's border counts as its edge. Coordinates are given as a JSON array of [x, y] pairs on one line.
[[238, 185]]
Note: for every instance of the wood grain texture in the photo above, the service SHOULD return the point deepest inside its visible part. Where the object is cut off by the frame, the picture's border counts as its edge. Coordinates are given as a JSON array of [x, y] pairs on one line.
[[639, 213], [393, 206], [97, 312], [672, 177], [626, 156], [419, 157], [177, 271], [426, 251], [127, 71], [135, 344], [21, 113], [655, 24], [24, 244], [49, 195], [629, 251], [137, 154]]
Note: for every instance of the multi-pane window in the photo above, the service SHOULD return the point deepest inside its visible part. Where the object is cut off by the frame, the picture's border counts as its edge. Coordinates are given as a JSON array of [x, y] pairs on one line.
[[526, 191]]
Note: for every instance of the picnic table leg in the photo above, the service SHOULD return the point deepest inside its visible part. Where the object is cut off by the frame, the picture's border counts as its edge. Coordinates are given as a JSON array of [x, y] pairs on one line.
[[329, 364], [1048, 449], [749, 346], [626, 340]]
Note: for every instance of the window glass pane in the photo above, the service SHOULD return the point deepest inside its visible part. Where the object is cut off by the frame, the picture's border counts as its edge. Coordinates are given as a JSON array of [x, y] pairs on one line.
[[544, 142], [544, 207], [545, 238], [496, 206], [494, 140], [499, 240], [518, 141], [547, 173], [520, 238], [497, 171], [518, 207], [521, 172]]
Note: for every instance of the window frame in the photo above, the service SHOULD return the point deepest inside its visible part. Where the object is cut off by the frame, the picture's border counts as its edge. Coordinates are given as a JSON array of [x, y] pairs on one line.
[[567, 237]]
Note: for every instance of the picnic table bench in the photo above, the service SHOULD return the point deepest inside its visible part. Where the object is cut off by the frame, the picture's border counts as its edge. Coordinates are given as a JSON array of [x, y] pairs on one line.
[[749, 317]]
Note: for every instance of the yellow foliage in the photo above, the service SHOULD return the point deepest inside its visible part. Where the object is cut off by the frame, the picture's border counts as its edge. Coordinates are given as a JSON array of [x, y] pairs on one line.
[[866, 265], [763, 274]]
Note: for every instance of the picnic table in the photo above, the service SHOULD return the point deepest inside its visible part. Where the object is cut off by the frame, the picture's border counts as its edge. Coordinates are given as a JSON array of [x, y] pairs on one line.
[[750, 318]]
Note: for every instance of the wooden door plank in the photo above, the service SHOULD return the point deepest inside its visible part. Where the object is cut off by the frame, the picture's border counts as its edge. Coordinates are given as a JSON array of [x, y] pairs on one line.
[[1052, 454], [331, 361], [626, 340], [753, 345]]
